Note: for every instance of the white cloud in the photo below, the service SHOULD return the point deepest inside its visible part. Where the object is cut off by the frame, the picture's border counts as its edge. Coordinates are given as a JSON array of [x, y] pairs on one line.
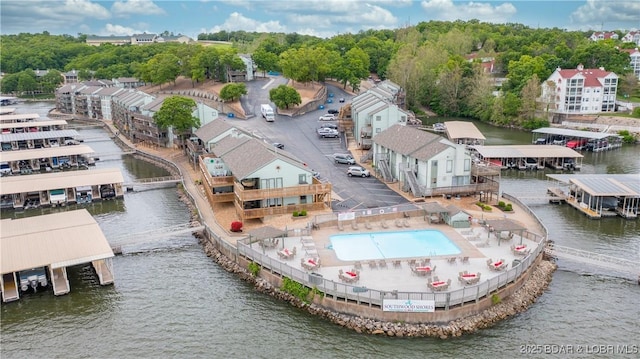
[[118, 30], [237, 21], [608, 14], [483, 11], [136, 7], [52, 16]]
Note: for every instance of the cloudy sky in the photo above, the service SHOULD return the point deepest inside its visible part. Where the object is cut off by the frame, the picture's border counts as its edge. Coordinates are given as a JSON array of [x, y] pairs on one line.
[[322, 18]]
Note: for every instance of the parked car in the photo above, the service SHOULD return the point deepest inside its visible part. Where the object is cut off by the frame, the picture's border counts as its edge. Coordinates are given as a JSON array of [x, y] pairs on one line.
[[327, 132], [329, 125], [344, 158], [278, 145], [358, 171], [333, 111], [327, 117], [341, 99]]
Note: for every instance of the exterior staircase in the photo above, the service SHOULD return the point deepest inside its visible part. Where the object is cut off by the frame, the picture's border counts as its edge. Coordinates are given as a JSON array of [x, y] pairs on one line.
[[411, 179], [383, 167]]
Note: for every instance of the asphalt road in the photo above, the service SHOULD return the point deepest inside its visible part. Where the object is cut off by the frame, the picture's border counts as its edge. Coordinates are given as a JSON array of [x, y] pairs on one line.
[[298, 134]]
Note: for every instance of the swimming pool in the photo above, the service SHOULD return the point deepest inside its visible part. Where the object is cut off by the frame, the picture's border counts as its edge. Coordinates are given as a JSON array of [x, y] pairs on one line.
[[388, 245]]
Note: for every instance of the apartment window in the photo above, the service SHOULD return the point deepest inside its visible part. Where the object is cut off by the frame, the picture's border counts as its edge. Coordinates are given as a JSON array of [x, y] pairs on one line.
[[467, 165], [302, 178], [449, 166], [403, 118], [303, 199], [378, 118], [378, 130]]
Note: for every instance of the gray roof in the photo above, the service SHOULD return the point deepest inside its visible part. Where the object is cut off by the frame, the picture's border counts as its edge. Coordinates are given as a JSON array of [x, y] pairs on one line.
[[213, 129], [227, 144], [8, 137], [452, 209], [574, 133], [603, 184], [525, 151], [433, 207], [505, 225], [107, 91], [254, 154], [155, 105], [410, 141], [266, 232]]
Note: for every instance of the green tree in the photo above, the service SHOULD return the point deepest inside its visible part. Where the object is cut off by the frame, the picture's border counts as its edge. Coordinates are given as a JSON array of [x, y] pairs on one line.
[[284, 96], [9, 83], [233, 91], [522, 70], [51, 81], [530, 92], [176, 112], [628, 84], [27, 83], [265, 61], [355, 67]]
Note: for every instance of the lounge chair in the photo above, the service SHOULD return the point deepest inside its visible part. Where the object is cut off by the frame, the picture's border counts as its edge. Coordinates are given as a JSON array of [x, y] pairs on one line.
[[372, 264], [452, 260], [399, 223], [484, 244], [464, 259], [396, 263], [367, 225], [340, 226], [382, 263], [405, 222], [354, 225], [411, 262], [384, 224]]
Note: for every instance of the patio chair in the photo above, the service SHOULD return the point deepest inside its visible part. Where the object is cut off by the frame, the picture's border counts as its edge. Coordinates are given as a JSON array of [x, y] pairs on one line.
[[340, 226], [464, 259], [396, 263], [425, 262], [357, 264], [372, 264], [452, 260], [367, 225], [399, 223], [405, 223], [411, 263], [382, 263], [384, 224], [354, 225]]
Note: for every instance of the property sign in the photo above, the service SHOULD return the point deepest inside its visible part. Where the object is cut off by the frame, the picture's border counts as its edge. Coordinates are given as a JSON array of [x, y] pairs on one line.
[[397, 305], [346, 216]]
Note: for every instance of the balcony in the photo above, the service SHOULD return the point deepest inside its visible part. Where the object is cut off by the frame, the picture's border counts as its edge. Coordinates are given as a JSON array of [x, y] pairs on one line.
[[278, 210], [317, 189]]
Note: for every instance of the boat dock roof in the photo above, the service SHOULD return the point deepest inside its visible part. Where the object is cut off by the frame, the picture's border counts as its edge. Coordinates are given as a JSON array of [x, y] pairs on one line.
[[526, 151], [19, 116], [40, 135], [5, 125], [23, 155], [574, 133], [462, 129], [603, 185], [72, 238], [57, 180], [7, 110]]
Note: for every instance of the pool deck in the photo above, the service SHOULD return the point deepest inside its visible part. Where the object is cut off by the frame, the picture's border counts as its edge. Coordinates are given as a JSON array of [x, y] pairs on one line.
[[401, 277]]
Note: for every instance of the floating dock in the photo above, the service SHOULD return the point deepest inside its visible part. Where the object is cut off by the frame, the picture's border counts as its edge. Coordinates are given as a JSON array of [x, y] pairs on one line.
[[603, 195], [464, 133], [576, 139], [529, 157], [72, 238]]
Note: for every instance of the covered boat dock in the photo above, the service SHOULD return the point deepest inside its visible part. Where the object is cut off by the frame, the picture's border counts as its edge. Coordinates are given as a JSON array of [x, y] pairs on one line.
[[601, 195], [60, 188], [19, 117], [576, 139], [464, 133], [27, 161], [33, 126], [530, 157], [31, 140], [72, 238]]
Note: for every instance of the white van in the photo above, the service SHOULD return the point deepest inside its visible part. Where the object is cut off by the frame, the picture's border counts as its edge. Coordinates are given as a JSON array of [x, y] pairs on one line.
[[267, 112]]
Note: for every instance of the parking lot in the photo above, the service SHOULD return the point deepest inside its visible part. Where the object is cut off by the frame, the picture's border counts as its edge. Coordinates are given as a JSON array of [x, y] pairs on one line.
[[299, 137]]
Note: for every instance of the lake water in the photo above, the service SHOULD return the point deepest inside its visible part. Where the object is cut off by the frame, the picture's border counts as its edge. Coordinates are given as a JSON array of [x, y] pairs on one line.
[[170, 300]]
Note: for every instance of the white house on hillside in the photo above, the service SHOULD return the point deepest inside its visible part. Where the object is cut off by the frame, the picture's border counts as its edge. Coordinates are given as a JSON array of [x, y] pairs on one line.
[[632, 36], [603, 35], [634, 54], [423, 162], [581, 91]]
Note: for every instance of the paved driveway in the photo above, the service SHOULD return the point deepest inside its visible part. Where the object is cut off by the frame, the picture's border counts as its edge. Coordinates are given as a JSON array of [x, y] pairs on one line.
[[298, 134]]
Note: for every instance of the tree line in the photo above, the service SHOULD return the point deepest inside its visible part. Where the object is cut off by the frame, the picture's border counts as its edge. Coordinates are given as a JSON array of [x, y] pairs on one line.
[[429, 60]]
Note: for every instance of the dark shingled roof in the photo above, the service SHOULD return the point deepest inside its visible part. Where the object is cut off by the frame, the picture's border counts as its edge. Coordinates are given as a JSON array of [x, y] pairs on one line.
[[213, 129], [410, 141], [433, 207]]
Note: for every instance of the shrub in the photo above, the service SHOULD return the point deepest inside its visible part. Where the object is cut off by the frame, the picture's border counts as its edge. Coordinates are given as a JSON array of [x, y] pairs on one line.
[[295, 213], [303, 212], [501, 204], [495, 299], [254, 268], [295, 289], [509, 207], [236, 226]]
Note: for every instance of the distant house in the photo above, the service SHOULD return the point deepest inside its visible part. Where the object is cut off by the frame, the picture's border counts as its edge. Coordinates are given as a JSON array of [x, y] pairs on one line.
[[581, 91], [424, 163], [603, 35], [70, 77], [634, 54], [250, 67], [128, 82], [258, 178], [136, 39], [632, 36]]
